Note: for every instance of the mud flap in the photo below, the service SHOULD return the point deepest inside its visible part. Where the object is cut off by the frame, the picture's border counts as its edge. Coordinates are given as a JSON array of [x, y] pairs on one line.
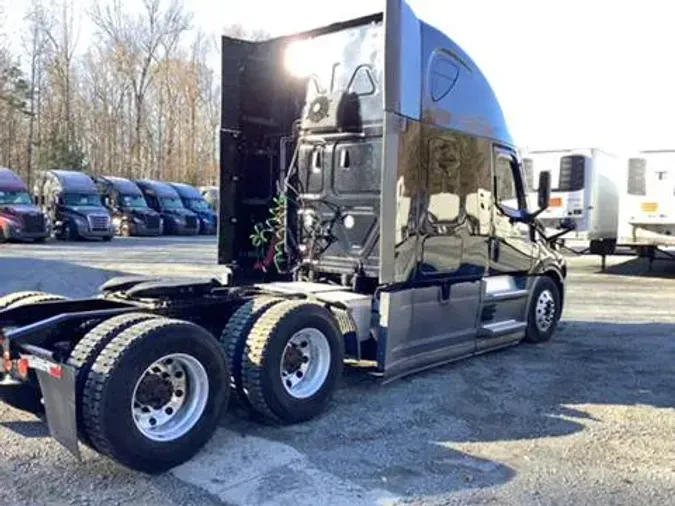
[[57, 383]]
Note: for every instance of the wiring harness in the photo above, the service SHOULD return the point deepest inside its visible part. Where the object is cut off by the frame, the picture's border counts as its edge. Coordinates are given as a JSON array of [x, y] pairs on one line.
[[272, 232]]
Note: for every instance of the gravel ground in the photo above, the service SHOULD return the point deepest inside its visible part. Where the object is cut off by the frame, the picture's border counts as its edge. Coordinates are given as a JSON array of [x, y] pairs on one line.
[[585, 419]]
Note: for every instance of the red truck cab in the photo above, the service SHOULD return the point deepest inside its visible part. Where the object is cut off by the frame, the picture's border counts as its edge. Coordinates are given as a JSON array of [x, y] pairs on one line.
[[20, 219]]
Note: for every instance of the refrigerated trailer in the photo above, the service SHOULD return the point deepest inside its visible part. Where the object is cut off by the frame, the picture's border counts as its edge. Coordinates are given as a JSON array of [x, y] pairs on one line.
[[586, 194], [647, 218], [373, 208]]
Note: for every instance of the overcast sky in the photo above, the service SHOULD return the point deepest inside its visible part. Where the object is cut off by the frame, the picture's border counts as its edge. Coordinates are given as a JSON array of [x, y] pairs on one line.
[[568, 73]]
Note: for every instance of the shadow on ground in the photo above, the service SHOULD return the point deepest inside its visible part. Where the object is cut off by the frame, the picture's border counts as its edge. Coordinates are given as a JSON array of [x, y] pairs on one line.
[[403, 436], [53, 276], [662, 267]]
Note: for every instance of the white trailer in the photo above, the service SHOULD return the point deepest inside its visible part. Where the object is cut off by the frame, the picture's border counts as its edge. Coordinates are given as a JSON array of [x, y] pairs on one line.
[[647, 217], [586, 190]]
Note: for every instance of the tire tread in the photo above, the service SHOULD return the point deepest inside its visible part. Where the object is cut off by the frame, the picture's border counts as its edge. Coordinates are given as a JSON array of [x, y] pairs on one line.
[[101, 373], [235, 334], [255, 353]]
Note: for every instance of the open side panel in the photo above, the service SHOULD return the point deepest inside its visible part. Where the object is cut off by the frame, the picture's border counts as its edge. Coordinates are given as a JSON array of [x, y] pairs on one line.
[[259, 105]]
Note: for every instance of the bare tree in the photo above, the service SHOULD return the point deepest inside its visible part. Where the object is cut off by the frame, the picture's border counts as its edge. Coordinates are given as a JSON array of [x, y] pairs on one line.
[[62, 33], [35, 45], [137, 42]]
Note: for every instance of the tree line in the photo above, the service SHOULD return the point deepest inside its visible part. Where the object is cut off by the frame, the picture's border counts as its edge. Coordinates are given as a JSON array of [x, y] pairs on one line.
[[140, 100]]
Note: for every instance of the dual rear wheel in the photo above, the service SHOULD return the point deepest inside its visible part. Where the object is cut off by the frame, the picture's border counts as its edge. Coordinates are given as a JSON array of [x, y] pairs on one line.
[[285, 357], [150, 390]]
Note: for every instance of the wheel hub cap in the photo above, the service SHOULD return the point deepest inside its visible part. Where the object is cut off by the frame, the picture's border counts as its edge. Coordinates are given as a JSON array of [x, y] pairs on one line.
[[545, 311], [305, 363], [170, 397]]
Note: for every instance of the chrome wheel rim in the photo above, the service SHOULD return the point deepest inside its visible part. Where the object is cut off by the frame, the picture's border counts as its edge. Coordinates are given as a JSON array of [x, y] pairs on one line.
[[545, 311], [305, 363], [170, 397]]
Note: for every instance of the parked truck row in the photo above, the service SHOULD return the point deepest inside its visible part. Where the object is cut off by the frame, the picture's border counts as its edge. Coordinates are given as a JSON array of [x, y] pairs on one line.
[[71, 205]]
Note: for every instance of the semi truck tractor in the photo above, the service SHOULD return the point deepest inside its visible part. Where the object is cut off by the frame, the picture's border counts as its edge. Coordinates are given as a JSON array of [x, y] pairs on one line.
[[74, 205], [586, 194], [20, 219], [365, 171], [131, 213], [163, 198], [195, 202]]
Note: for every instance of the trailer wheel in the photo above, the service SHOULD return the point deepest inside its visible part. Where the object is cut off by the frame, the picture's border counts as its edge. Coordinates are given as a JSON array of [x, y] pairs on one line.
[[544, 312], [12, 298], [36, 299], [155, 393], [87, 350], [234, 338], [292, 361]]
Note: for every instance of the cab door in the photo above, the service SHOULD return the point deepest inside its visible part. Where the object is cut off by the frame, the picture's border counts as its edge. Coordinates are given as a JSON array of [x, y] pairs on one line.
[[511, 245]]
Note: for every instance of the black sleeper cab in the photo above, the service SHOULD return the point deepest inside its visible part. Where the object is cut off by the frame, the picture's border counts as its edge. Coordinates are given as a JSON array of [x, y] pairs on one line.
[[195, 202], [130, 211], [178, 220], [74, 205]]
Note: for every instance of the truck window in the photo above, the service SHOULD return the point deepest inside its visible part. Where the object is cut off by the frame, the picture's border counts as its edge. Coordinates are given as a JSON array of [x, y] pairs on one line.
[[505, 183], [443, 74]]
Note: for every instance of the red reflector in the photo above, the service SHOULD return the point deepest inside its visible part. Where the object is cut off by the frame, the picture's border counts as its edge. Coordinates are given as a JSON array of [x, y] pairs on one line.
[[22, 367], [8, 362], [56, 371]]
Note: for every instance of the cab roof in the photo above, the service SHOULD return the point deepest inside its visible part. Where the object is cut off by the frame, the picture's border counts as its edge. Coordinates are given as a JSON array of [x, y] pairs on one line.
[[76, 181], [10, 180], [186, 191], [159, 188], [123, 185]]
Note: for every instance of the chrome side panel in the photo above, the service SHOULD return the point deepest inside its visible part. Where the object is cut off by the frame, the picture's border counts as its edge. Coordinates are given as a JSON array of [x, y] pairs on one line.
[[395, 326]]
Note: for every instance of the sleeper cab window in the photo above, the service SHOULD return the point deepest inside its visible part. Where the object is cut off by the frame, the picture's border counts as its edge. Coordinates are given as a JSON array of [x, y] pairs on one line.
[[442, 76]]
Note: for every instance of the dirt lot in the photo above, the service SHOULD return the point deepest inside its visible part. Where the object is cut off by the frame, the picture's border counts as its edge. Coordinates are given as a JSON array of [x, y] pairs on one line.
[[585, 419]]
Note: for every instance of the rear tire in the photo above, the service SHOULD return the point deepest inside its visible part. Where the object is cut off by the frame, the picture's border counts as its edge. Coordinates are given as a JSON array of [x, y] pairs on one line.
[[86, 351], [298, 337], [12, 298], [234, 338], [36, 299], [544, 311], [114, 416]]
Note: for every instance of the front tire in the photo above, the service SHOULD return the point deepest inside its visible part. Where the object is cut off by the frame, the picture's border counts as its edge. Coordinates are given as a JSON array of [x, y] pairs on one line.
[[544, 311], [155, 394], [69, 232], [292, 361]]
